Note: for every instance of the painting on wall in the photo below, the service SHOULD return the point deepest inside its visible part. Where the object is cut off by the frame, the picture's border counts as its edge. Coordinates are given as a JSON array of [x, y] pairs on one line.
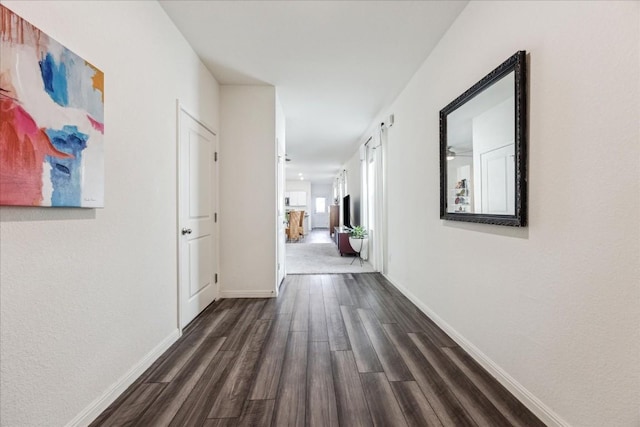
[[51, 121]]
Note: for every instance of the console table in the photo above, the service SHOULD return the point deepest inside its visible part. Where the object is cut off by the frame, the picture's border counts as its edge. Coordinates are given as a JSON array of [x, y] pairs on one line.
[[341, 237]]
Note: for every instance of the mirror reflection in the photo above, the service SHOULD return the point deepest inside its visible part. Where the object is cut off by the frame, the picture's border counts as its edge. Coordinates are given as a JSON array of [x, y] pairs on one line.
[[480, 152], [483, 149]]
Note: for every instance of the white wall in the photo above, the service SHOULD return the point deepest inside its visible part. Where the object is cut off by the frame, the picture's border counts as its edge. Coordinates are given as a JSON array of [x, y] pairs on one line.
[[248, 207], [555, 306], [87, 294]]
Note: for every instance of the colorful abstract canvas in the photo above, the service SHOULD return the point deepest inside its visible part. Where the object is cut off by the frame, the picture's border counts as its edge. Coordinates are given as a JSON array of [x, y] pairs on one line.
[[51, 121]]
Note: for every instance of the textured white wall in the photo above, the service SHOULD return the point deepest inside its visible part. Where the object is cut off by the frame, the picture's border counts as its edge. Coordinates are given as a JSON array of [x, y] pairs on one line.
[[87, 294], [248, 191], [555, 305]]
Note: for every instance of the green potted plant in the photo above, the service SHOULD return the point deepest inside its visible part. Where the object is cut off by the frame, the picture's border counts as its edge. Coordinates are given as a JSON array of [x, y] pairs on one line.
[[358, 232], [358, 239]]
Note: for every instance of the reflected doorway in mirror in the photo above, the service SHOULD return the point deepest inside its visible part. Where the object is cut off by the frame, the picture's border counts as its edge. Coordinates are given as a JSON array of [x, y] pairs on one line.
[[483, 147]]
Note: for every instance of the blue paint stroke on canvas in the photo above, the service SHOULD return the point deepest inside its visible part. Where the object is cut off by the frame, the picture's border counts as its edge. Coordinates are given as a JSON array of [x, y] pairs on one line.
[[54, 77], [66, 173], [51, 120]]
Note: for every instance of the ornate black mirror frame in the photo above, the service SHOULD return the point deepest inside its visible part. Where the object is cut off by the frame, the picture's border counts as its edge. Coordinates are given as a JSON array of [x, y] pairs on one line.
[[517, 64]]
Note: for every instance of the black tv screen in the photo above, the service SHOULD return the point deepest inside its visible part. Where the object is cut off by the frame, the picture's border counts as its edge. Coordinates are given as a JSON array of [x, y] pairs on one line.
[[346, 211]]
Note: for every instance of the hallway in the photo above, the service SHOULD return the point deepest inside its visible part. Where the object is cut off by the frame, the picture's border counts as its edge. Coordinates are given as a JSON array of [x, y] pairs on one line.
[[344, 349], [318, 235], [317, 253]]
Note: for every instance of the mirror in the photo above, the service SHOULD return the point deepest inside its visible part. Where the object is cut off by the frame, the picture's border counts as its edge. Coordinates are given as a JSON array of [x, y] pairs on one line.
[[483, 146]]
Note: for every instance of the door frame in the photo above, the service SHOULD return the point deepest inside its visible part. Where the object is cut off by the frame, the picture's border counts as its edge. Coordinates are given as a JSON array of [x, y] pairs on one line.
[[281, 246], [376, 144], [215, 200]]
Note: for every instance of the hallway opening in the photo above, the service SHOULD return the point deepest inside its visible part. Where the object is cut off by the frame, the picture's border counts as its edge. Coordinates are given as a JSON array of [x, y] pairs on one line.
[[318, 253]]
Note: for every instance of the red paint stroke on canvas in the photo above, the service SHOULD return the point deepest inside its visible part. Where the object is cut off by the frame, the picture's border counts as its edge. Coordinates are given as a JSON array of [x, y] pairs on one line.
[[14, 29], [96, 125], [23, 147]]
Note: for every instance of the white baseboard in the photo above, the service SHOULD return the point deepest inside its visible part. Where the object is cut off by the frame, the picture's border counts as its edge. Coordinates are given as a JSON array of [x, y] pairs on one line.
[[247, 294], [542, 411], [96, 407]]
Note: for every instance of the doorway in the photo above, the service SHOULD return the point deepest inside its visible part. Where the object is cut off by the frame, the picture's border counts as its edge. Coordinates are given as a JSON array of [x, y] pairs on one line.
[[281, 220], [373, 192], [321, 200]]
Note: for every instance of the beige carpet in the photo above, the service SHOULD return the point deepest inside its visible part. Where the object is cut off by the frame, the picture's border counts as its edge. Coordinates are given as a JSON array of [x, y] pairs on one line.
[[321, 258]]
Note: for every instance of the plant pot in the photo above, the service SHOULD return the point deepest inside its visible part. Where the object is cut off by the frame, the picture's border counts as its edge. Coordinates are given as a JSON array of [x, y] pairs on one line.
[[360, 245]]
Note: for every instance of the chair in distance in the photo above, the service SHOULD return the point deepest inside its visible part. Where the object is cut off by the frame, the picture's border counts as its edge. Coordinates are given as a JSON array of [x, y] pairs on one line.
[[293, 231]]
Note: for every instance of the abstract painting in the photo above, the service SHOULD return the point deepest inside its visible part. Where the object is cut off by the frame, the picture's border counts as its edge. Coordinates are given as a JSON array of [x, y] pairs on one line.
[[51, 121]]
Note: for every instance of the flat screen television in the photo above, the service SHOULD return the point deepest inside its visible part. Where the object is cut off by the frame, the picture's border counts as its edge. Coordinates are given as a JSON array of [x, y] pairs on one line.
[[346, 211]]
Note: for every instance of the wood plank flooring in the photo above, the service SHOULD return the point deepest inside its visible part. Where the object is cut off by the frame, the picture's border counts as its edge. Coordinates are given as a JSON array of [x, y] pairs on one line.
[[331, 350]]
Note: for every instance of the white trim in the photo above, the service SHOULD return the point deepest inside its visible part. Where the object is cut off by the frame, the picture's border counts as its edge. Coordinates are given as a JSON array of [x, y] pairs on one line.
[[195, 117], [247, 294], [178, 217], [95, 408], [542, 411]]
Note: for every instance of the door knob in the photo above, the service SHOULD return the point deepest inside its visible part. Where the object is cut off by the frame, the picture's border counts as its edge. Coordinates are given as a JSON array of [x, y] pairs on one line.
[[186, 231]]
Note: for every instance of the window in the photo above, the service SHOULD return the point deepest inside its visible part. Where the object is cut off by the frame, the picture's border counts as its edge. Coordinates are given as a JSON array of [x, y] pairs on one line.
[[321, 205]]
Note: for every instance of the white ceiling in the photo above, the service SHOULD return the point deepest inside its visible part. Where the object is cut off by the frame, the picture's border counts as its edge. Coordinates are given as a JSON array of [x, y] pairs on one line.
[[335, 64]]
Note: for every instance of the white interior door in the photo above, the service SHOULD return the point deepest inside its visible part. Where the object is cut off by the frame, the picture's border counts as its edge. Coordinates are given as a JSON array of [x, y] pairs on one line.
[[498, 181], [196, 217], [320, 209]]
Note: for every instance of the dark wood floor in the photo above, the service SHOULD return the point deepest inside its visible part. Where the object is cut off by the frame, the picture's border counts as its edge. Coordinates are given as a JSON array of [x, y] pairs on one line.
[[343, 349]]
